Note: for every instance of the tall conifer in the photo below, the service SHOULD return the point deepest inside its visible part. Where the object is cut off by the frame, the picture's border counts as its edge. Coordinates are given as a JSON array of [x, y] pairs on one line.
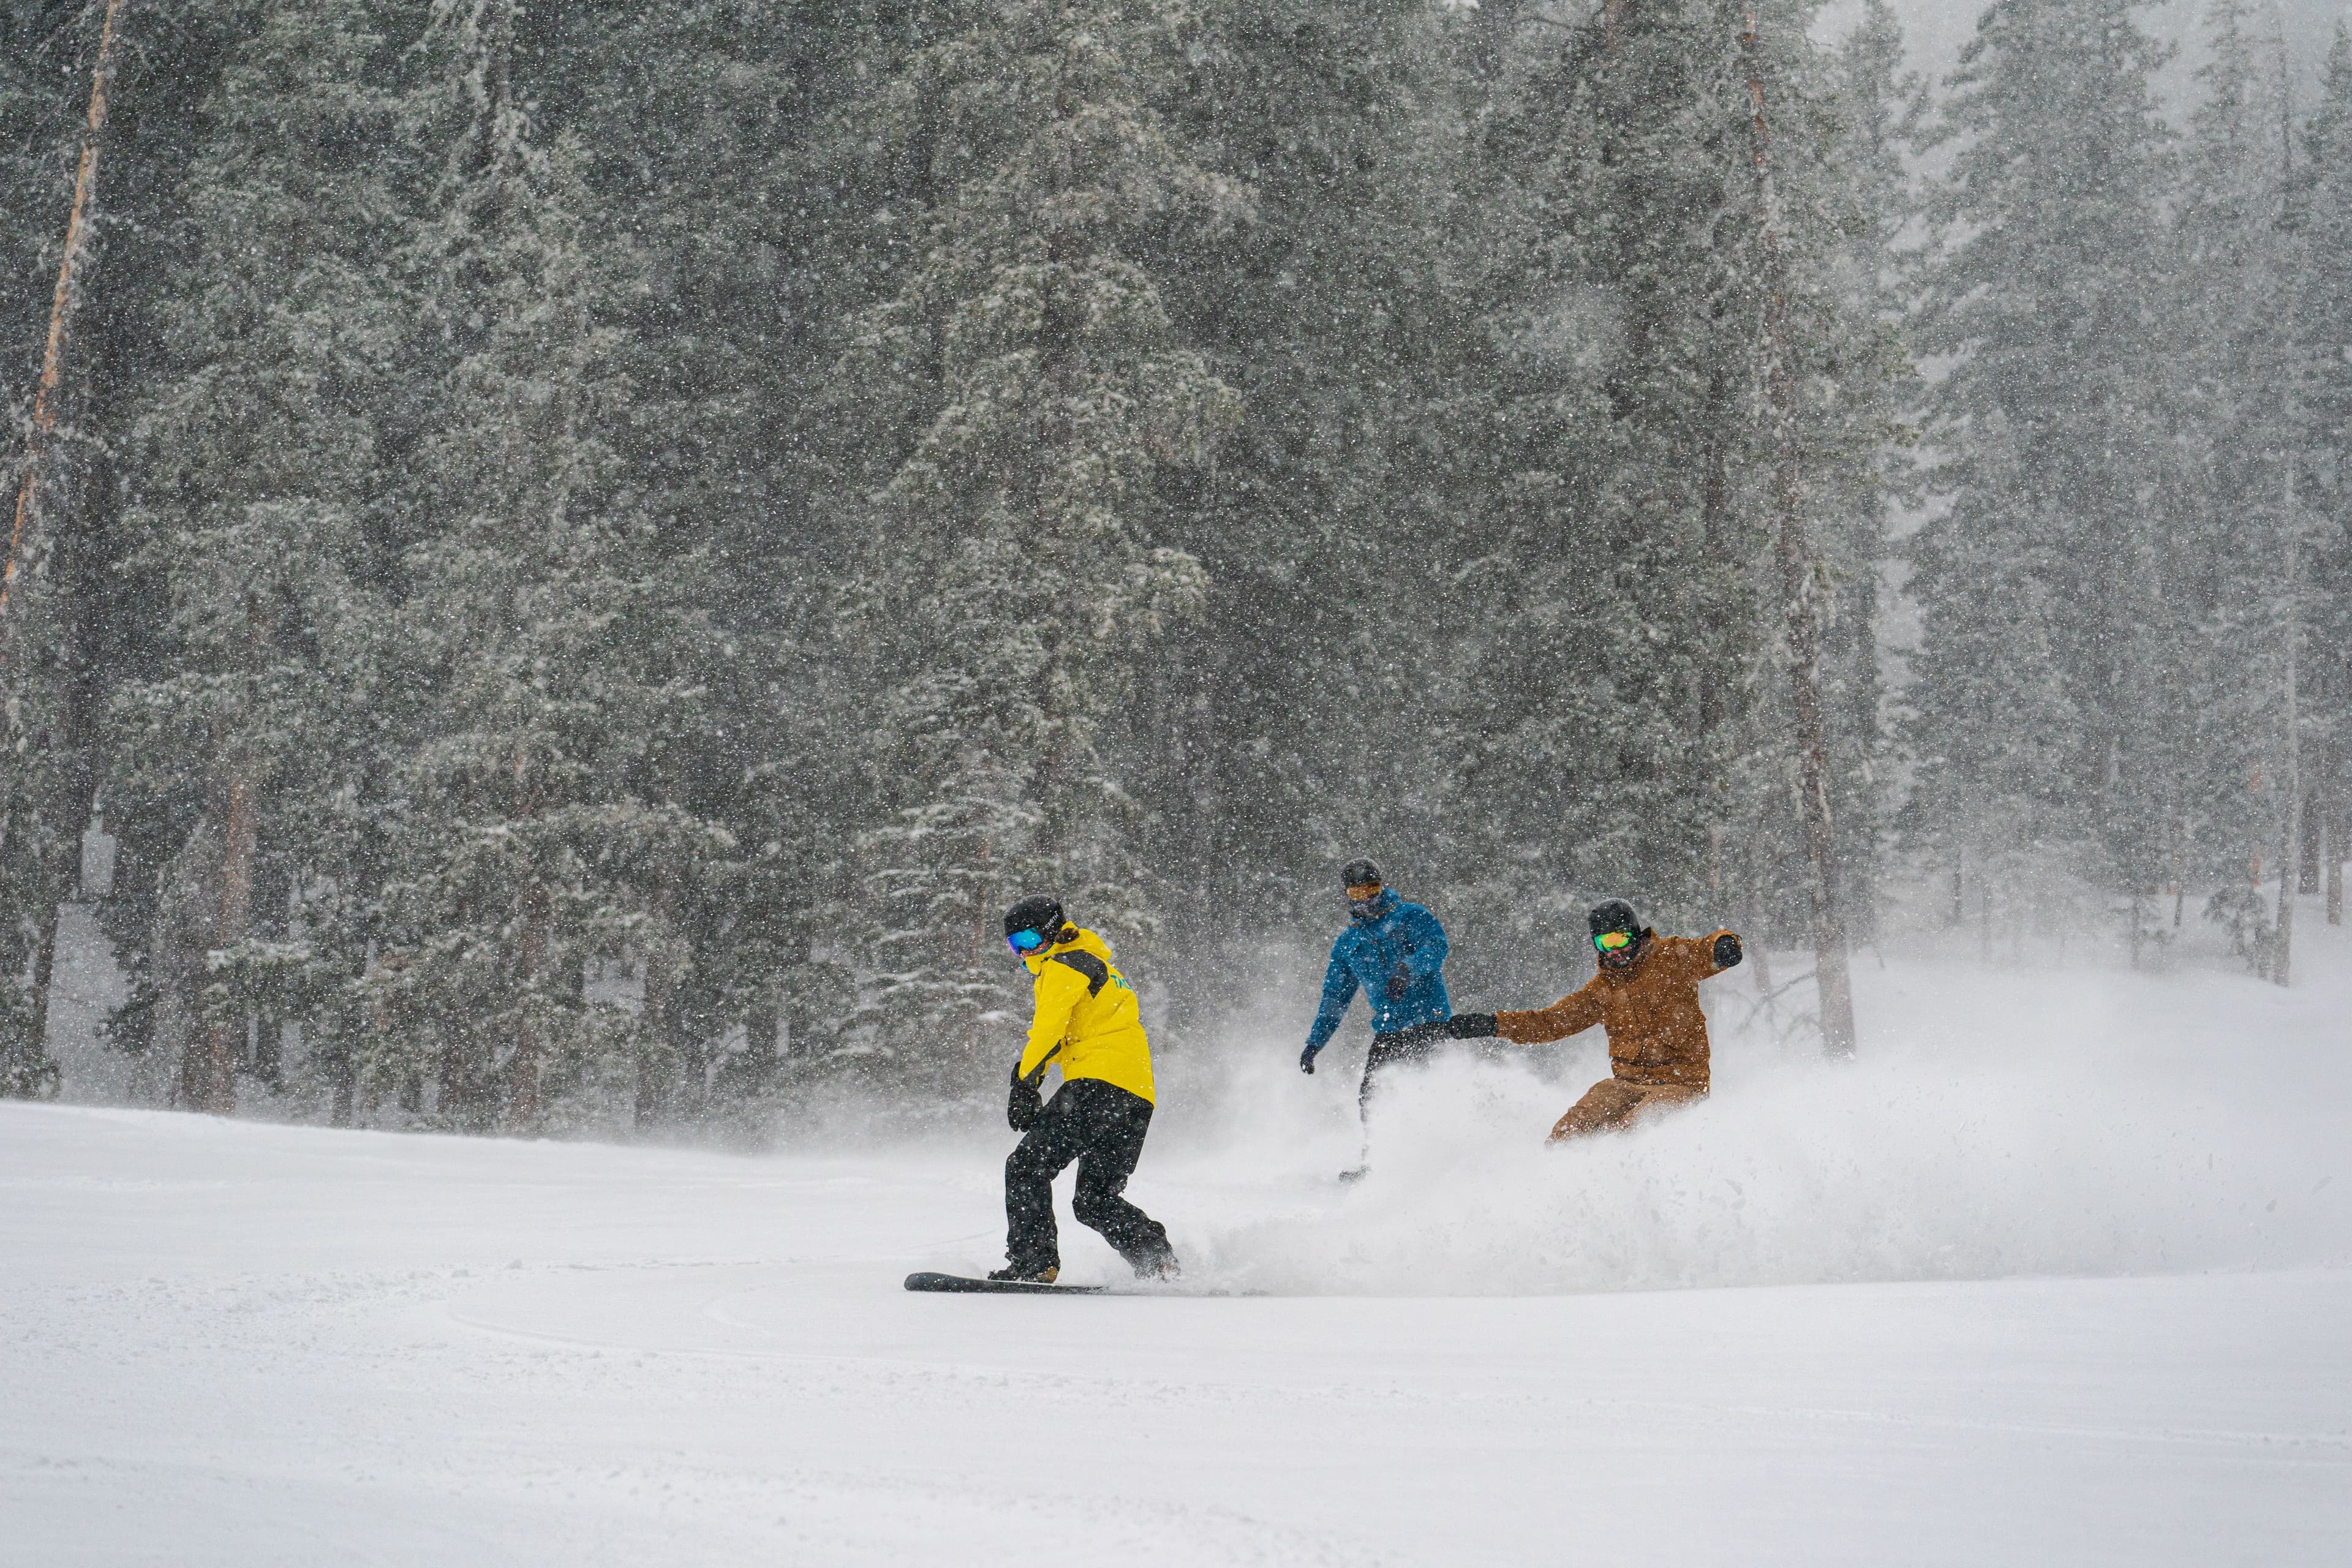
[[1020, 570], [562, 639], [2045, 293]]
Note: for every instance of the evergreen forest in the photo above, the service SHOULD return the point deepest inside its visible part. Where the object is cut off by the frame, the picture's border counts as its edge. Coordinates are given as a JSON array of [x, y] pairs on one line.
[[578, 555]]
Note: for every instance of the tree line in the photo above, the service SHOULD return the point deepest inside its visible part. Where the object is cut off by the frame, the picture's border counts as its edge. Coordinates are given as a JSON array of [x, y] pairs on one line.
[[585, 552]]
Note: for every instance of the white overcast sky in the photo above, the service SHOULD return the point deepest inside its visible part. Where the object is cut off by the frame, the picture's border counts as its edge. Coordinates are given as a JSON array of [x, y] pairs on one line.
[[1936, 29]]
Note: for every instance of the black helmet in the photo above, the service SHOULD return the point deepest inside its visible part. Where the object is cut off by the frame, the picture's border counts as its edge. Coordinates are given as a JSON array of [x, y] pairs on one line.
[[1038, 913], [1359, 874], [1614, 914]]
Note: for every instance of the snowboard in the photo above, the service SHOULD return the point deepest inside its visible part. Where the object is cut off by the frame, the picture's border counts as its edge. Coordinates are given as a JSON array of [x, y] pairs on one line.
[[959, 1285]]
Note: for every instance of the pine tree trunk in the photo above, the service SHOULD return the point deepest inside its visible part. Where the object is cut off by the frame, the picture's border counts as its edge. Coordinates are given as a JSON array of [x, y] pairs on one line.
[[2333, 794], [2307, 878], [222, 1040], [792, 1033], [28, 544], [668, 1080], [1714, 533], [1797, 582], [343, 1079], [77, 744], [2290, 786], [647, 1110], [763, 1025], [523, 1104], [2179, 870], [40, 493]]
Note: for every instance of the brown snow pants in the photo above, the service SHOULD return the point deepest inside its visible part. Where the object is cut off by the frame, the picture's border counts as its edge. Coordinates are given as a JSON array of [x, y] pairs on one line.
[[1612, 1105]]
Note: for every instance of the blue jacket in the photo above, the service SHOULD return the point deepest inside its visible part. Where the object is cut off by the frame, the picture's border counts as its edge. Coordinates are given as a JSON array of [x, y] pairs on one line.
[[1395, 935]]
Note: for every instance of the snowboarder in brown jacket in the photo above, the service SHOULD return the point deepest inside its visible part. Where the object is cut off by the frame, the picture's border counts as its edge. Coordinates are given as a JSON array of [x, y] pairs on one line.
[[1646, 993]]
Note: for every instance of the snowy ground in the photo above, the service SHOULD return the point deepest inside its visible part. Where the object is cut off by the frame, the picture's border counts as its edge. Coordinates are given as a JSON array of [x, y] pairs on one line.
[[2061, 1272]]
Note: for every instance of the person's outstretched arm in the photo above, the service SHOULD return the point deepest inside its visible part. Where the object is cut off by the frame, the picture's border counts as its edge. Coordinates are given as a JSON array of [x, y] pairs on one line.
[[1338, 990], [1572, 1014], [1700, 957]]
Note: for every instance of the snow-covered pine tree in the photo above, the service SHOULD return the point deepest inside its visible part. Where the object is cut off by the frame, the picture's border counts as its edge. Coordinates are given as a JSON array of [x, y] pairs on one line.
[[562, 637], [736, 139], [1867, 391], [1018, 564], [50, 595], [1621, 622], [99, 622], [257, 466], [1625, 720], [43, 97], [2323, 215], [2045, 289], [1816, 260], [1993, 796], [2234, 367], [1288, 727]]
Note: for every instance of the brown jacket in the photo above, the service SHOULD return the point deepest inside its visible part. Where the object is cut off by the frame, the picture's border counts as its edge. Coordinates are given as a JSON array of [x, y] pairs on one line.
[[1656, 1032]]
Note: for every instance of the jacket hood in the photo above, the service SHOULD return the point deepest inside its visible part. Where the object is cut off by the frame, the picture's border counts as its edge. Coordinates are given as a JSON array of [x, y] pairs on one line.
[[1084, 941]]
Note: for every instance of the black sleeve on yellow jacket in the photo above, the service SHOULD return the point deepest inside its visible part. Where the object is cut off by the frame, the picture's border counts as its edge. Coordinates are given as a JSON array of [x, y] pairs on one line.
[[1097, 971]]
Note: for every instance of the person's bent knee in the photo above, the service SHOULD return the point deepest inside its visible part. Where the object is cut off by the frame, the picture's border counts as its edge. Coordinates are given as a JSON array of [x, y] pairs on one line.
[[1092, 1209]]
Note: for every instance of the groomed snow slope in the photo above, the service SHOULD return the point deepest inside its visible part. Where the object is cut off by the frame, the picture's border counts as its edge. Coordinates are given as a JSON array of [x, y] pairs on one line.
[[2061, 1272]]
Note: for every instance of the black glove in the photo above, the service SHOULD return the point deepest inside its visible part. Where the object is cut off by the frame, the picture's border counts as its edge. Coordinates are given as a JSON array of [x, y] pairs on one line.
[[1399, 981], [1307, 1061], [1027, 1104], [1470, 1027], [1726, 951]]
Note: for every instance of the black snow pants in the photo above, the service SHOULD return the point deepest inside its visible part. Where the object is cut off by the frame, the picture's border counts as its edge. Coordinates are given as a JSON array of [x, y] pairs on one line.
[[1101, 1126], [1412, 1045]]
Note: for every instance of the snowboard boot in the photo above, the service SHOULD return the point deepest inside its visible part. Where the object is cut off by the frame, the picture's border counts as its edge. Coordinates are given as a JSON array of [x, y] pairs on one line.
[[1038, 1276], [1159, 1265]]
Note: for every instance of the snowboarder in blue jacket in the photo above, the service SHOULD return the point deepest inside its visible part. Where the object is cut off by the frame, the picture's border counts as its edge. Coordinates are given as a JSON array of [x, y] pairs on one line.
[[1395, 953]]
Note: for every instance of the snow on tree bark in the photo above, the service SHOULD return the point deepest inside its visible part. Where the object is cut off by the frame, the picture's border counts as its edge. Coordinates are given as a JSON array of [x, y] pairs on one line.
[[45, 677], [1798, 574]]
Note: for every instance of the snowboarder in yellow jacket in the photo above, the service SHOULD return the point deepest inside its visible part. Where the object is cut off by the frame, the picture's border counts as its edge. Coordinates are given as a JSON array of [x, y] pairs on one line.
[[1089, 1023]]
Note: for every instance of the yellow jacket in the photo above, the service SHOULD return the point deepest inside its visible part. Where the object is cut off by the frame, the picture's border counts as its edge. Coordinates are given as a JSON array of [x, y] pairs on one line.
[[1088, 1022]]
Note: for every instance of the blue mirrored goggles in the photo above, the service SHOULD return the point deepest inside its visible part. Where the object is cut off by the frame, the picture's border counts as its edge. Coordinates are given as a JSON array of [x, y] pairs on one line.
[[1026, 940]]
